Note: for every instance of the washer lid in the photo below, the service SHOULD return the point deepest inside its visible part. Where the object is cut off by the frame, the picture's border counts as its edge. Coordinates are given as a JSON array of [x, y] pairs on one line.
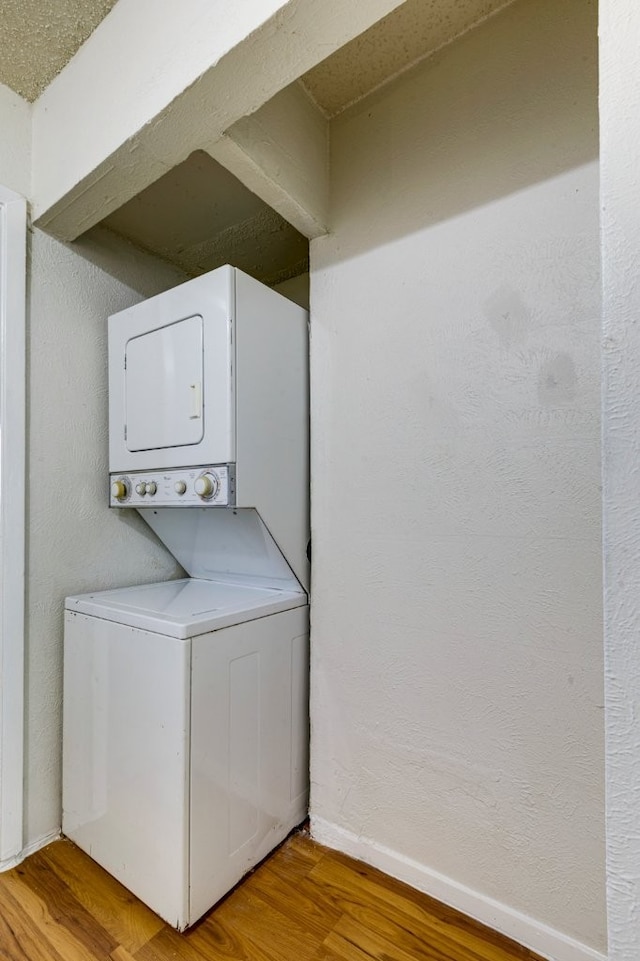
[[186, 607]]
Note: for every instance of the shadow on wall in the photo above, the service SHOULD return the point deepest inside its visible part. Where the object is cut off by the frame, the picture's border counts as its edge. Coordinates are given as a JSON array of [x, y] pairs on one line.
[[510, 104], [126, 263]]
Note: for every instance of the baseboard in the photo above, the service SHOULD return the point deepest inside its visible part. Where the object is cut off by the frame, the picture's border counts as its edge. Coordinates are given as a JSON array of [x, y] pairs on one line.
[[31, 848], [520, 928]]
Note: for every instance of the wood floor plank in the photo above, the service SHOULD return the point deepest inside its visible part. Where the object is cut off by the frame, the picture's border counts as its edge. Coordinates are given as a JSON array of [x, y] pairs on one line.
[[218, 941], [434, 923], [302, 845], [345, 950], [295, 858], [297, 899], [168, 944], [393, 889], [53, 934], [121, 954], [56, 910], [20, 938], [127, 920], [417, 941], [255, 925], [304, 903], [326, 954], [373, 944]]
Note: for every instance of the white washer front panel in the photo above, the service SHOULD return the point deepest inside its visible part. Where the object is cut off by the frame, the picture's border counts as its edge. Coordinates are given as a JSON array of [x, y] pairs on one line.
[[184, 762], [126, 757]]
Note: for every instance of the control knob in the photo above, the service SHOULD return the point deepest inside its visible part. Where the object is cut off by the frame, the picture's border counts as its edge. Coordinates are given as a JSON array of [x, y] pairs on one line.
[[180, 487], [119, 490], [152, 487], [207, 485], [141, 488]]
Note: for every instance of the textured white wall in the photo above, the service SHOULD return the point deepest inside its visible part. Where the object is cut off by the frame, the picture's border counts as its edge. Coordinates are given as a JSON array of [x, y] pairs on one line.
[[15, 142], [457, 641], [75, 543], [620, 138]]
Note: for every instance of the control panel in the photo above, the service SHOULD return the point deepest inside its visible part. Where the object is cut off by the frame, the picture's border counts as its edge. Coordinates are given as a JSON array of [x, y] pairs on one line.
[[185, 487]]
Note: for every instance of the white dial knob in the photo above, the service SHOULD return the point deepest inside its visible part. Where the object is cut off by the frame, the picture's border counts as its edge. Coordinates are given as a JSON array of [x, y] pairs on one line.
[[180, 487], [119, 490], [141, 488], [207, 485], [152, 487]]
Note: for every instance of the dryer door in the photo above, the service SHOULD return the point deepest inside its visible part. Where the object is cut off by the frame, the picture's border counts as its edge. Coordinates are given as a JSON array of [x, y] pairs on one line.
[[163, 387], [171, 378]]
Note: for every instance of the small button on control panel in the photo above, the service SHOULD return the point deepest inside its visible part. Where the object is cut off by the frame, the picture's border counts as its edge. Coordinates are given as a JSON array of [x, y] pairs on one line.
[[207, 486]]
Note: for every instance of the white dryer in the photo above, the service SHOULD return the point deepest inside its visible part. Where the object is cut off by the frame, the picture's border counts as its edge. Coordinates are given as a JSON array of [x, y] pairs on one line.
[[186, 702]]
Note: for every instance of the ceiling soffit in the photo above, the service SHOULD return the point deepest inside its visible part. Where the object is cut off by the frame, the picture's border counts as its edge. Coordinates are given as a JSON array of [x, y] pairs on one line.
[[199, 216], [413, 31]]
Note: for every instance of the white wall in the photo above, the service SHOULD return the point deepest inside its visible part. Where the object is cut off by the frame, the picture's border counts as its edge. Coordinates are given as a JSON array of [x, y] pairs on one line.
[[75, 543], [620, 134], [457, 643], [15, 142]]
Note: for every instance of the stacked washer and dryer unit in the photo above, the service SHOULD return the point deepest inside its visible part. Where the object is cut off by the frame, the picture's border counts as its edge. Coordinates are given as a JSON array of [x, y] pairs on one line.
[[186, 702]]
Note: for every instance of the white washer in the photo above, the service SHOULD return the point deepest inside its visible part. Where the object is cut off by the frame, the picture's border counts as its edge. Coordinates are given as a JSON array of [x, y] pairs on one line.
[[185, 734], [185, 725]]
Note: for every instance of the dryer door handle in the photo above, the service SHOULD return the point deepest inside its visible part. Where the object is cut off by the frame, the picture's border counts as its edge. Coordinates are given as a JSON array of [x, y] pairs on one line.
[[196, 400]]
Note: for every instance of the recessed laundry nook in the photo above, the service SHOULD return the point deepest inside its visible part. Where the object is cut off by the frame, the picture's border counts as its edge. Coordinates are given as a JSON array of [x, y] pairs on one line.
[[320, 435]]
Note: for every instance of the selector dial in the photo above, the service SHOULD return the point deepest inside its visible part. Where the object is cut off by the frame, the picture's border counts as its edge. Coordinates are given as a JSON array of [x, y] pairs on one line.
[[119, 490], [152, 487], [141, 488], [207, 485], [180, 487]]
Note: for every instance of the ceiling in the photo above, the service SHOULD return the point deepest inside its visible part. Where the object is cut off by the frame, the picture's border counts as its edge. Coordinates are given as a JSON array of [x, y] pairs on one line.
[[199, 215], [38, 37], [413, 31]]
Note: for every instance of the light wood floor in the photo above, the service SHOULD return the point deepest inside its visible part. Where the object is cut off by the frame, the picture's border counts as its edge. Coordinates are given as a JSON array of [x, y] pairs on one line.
[[305, 903]]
